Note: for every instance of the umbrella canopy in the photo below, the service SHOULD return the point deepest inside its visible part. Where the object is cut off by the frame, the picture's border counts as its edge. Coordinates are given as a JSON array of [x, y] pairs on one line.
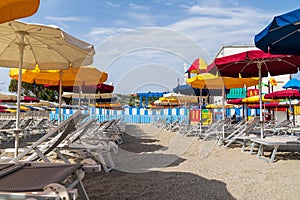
[[282, 35], [45, 46], [269, 105], [249, 63], [256, 100], [235, 101], [207, 80], [29, 45], [15, 9], [292, 83], [8, 96], [198, 65], [216, 106], [256, 63], [99, 88], [84, 75], [283, 94]]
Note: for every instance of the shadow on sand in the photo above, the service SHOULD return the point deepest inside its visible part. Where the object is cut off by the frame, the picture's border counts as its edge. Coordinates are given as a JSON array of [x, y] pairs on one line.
[[153, 185]]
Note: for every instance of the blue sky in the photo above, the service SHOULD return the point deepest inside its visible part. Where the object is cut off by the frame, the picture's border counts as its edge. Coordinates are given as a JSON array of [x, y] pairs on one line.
[[143, 45]]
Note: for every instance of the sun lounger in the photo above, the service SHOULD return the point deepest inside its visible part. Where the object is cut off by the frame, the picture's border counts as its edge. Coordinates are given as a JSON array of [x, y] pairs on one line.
[[291, 143], [61, 131], [243, 130], [91, 143], [36, 180]]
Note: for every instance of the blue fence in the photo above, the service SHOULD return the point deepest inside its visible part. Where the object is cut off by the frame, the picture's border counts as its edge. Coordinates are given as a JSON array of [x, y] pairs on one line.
[[129, 115], [142, 115]]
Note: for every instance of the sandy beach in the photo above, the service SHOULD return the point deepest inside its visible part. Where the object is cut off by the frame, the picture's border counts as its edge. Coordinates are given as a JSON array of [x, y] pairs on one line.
[[157, 164]]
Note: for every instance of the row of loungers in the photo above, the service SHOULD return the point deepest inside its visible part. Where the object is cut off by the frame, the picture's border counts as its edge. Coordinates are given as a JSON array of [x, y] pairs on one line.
[[282, 136], [33, 174]]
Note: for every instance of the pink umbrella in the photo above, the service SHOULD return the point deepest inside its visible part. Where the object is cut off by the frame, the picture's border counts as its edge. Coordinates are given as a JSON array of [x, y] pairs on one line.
[[256, 63], [282, 94]]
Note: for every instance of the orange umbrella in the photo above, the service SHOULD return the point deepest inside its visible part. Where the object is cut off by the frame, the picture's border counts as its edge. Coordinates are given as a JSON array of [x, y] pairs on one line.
[[15, 9], [84, 75]]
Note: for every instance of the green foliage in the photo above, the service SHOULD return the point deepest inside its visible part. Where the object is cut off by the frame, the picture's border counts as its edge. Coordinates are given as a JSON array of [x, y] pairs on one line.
[[32, 89]]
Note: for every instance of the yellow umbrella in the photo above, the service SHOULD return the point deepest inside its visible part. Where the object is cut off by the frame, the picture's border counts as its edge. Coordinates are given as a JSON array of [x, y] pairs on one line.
[[84, 75], [255, 100], [15, 9], [210, 81], [215, 106]]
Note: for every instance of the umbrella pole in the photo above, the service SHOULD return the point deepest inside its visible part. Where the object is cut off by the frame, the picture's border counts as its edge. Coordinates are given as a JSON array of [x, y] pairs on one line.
[[79, 101], [260, 101], [59, 97], [223, 110], [200, 123], [21, 48]]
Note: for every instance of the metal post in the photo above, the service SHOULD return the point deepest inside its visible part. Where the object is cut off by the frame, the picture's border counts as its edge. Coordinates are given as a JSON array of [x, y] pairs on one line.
[[21, 52], [260, 101], [59, 97]]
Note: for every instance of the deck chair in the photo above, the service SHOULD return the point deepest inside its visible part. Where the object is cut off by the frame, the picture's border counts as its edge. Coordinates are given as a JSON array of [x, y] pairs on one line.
[[242, 131], [37, 180], [214, 130], [91, 143], [280, 128], [60, 132]]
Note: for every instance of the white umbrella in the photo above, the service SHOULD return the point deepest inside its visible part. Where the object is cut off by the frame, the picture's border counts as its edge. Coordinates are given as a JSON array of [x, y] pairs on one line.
[[27, 45]]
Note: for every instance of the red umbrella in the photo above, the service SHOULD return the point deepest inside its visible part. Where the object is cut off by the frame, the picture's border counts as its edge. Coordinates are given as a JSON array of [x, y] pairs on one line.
[[235, 101], [198, 65], [256, 63], [269, 105], [282, 94], [90, 89], [29, 99]]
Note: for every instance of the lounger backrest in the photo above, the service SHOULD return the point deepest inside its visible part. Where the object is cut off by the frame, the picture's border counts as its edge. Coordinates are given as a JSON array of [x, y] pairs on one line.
[[66, 125], [70, 128]]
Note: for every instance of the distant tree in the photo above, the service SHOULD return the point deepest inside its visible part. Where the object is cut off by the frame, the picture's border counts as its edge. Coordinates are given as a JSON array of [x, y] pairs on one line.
[[32, 89]]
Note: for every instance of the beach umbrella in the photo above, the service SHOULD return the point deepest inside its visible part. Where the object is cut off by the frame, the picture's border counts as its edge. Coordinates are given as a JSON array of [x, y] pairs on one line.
[[196, 67], [8, 97], [29, 45], [99, 88], [256, 63], [235, 101], [282, 35], [82, 76], [210, 81], [16, 9], [283, 94], [269, 105], [256, 100], [292, 83]]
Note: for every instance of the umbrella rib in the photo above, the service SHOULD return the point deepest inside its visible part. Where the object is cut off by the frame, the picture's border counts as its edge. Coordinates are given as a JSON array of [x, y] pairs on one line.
[[280, 39]]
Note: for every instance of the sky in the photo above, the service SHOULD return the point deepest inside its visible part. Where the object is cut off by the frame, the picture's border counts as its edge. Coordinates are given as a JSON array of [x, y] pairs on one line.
[[144, 45]]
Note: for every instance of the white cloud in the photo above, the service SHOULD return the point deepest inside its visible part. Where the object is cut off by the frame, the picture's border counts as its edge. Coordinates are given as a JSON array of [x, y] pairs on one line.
[[214, 27], [61, 21], [112, 4], [137, 7]]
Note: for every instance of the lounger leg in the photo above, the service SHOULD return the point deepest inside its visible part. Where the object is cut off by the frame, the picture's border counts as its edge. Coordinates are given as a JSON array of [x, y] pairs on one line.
[[274, 153], [81, 190], [61, 156], [252, 148], [260, 151], [102, 160]]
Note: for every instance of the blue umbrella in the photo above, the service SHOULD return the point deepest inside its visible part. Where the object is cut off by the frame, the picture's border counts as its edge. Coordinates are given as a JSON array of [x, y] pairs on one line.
[[282, 35], [293, 84]]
